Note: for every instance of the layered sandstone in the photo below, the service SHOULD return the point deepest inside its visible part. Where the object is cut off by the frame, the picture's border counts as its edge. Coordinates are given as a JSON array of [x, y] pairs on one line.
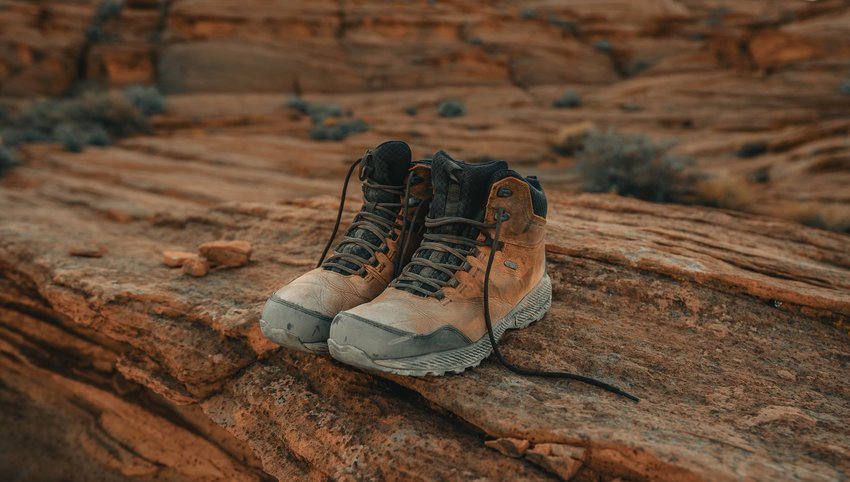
[[730, 327]]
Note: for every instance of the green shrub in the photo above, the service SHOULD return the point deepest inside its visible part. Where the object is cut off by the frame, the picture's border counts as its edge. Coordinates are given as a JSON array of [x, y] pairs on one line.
[[297, 103], [603, 45], [7, 159], [844, 88], [70, 136], [629, 165], [91, 118], [319, 112], [146, 98], [638, 66], [567, 100], [566, 26], [752, 149], [109, 9], [338, 131], [451, 108], [330, 121]]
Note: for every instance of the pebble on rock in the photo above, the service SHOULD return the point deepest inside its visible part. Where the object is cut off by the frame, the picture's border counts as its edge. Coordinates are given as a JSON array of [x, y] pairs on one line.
[[88, 250], [175, 259], [512, 447], [196, 266], [231, 254]]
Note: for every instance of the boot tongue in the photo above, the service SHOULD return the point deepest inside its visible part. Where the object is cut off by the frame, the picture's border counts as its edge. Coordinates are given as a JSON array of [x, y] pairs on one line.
[[461, 189], [388, 165]]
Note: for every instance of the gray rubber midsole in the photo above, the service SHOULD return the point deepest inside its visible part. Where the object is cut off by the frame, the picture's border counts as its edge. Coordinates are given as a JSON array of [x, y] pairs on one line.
[[294, 327], [290, 340], [530, 309]]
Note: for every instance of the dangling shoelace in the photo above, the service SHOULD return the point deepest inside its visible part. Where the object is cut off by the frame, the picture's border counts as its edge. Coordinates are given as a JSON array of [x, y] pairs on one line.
[[371, 222], [463, 247]]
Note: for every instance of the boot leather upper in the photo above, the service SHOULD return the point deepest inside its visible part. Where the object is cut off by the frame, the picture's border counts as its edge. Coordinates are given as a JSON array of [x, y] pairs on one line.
[[461, 309], [328, 292]]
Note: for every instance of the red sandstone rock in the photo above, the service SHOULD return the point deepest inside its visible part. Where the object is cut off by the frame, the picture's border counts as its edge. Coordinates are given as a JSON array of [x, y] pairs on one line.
[[175, 259], [727, 324], [196, 266], [509, 446], [88, 250], [231, 254]]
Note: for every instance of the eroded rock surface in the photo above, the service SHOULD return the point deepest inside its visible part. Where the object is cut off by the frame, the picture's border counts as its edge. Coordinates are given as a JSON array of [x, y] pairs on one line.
[[732, 328], [702, 313]]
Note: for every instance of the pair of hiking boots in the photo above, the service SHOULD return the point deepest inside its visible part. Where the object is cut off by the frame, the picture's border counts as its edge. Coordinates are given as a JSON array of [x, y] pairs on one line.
[[441, 260]]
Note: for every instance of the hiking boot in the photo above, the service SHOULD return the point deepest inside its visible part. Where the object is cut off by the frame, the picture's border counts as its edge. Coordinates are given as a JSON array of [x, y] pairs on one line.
[[434, 317], [379, 241]]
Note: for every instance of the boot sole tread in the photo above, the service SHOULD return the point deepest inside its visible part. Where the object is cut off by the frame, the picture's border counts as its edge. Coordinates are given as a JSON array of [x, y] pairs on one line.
[[530, 309]]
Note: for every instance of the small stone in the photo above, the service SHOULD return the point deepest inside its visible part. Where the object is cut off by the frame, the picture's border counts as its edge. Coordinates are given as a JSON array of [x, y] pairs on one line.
[[88, 250], [175, 259], [786, 375], [227, 253], [512, 447], [559, 459], [196, 266]]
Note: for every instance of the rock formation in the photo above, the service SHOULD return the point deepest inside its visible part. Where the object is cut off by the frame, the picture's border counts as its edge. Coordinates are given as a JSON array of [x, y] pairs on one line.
[[733, 327]]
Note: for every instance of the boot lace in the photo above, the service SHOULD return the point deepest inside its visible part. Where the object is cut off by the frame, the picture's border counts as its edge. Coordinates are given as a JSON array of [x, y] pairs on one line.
[[461, 247], [369, 220]]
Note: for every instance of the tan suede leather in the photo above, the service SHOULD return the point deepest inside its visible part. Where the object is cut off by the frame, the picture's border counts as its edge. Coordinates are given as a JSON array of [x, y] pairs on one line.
[[461, 307], [328, 292]]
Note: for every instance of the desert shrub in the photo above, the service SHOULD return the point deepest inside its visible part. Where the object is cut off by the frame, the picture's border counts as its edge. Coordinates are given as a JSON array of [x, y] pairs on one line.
[[603, 45], [629, 165], [761, 175], [70, 136], [91, 118], [319, 112], [146, 98], [411, 110], [528, 13], [109, 9], [566, 26], [7, 159], [752, 149], [451, 108], [97, 136], [638, 66], [297, 103], [716, 16], [330, 121], [832, 217], [339, 130], [567, 100], [106, 10], [844, 87], [724, 191]]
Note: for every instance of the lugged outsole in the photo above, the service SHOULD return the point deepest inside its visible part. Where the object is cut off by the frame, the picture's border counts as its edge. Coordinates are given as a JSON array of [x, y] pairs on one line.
[[290, 340], [532, 308]]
